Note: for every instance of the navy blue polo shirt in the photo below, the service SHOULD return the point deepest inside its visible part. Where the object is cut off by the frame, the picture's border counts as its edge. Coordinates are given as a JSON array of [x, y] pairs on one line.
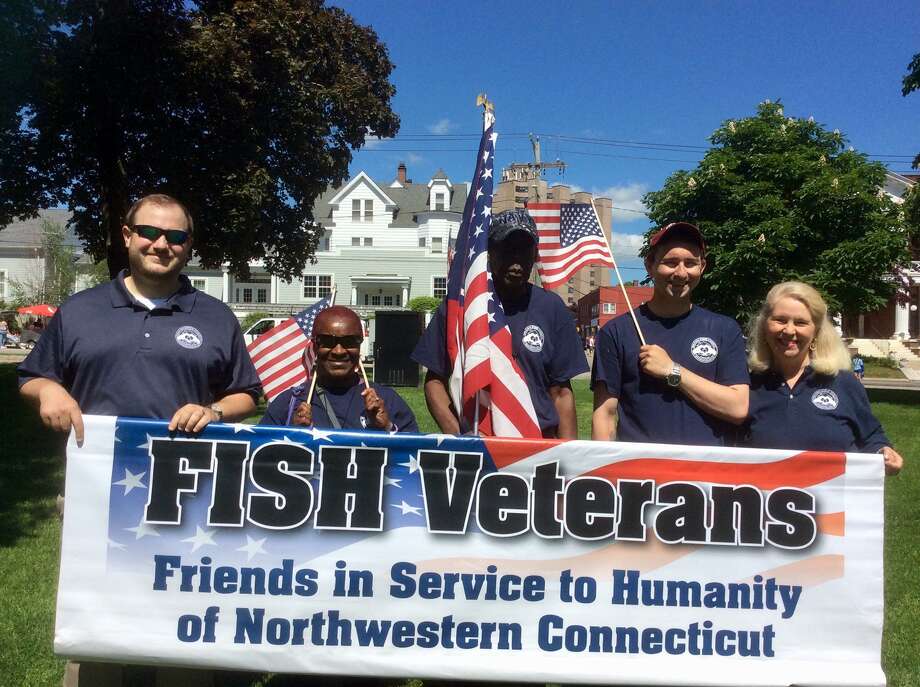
[[701, 341], [347, 404], [116, 357], [545, 345], [819, 413]]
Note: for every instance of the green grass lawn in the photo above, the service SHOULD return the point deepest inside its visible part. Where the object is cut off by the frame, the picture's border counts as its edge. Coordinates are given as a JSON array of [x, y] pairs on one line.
[[31, 476], [882, 368]]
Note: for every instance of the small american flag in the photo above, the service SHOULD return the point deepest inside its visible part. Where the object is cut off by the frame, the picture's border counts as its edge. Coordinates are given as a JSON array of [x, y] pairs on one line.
[[278, 353], [478, 338], [570, 238]]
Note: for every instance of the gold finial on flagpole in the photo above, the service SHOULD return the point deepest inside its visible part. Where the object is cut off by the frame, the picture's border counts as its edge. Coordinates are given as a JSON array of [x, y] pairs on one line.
[[482, 100]]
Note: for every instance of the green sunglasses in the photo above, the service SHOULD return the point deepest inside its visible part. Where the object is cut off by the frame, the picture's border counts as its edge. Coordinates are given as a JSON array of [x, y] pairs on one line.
[[175, 237]]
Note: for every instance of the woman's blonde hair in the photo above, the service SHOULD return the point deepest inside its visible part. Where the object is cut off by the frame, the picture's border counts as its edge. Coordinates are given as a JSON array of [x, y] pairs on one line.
[[829, 355]]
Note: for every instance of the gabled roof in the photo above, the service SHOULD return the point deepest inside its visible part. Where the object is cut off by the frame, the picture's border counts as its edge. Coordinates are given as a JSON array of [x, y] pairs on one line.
[[362, 178], [27, 233], [408, 200]]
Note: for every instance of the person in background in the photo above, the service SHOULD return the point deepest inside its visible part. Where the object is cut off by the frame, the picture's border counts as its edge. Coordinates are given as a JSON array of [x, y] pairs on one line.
[[859, 366], [4, 332], [803, 393]]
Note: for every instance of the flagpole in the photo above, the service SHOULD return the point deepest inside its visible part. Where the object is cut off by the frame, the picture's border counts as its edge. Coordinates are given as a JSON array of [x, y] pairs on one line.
[[619, 276], [488, 118]]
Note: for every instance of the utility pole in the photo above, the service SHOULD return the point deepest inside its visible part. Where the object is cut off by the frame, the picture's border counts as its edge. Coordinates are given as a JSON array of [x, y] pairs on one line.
[[531, 173]]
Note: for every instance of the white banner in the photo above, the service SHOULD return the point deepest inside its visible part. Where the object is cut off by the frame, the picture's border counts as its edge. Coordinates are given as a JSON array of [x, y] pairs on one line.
[[306, 551]]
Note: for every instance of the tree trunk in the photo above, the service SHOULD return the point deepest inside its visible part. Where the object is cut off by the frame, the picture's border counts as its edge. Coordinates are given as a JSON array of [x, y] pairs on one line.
[[113, 218]]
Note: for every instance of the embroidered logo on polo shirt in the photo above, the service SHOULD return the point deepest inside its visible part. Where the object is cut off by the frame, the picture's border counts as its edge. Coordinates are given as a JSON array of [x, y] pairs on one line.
[[825, 399], [533, 338], [704, 349], [189, 337]]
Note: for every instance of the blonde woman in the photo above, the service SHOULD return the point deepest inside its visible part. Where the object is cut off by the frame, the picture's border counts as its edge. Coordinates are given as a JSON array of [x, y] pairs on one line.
[[803, 392]]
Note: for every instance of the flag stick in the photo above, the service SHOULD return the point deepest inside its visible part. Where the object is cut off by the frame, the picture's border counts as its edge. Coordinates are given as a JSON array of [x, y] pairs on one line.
[[619, 276], [312, 387], [363, 373]]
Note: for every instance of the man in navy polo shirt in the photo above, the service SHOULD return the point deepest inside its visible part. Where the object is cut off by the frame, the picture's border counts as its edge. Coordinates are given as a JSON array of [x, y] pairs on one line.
[[340, 399], [545, 343], [146, 344], [689, 384]]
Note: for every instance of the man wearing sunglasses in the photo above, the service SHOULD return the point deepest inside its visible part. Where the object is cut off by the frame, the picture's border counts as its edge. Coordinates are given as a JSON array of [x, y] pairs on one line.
[[146, 344], [340, 399]]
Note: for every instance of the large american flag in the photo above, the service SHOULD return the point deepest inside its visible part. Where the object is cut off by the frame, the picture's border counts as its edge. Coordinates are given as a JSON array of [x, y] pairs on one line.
[[278, 353], [570, 238], [478, 338]]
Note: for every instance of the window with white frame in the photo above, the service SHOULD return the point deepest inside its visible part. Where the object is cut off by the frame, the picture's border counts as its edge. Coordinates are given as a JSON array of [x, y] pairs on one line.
[[368, 210], [368, 241], [375, 299], [317, 285], [439, 201], [356, 240], [200, 284], [437, 244], [610, 308], [421, 242], [440, 287], [3, 282], [247, 295], [355, 210], [388, 300]]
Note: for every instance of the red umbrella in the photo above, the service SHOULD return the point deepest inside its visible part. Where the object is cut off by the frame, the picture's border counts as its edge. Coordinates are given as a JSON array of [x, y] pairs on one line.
[[41, 310]]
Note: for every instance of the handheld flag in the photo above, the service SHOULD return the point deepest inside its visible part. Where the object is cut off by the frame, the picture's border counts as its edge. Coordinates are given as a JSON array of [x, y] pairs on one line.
[[570, 237], [284, 356]]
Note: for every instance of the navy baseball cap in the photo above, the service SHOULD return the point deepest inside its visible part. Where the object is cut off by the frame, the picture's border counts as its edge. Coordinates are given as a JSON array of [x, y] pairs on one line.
[[506, 223], [678, 230]]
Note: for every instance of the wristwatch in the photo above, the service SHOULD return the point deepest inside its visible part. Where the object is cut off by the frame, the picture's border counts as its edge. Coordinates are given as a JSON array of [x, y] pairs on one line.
[[218, 411], [673, 378]]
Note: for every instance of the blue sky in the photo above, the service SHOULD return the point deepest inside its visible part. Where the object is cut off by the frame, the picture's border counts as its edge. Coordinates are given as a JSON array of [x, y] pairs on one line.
[[665, 73]]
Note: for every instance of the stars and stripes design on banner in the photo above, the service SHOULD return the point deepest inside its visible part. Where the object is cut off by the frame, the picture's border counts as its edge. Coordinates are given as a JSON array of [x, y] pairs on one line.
[[284, 356], [570, 237], [128, 581], [478, 338]]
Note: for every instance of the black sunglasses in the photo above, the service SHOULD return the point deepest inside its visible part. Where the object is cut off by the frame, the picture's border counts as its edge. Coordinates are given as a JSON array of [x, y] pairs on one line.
[[175, 237], [349, 341]]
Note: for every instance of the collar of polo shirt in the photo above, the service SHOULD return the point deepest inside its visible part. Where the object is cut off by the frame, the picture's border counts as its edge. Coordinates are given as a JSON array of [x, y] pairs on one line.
[[183, 299]]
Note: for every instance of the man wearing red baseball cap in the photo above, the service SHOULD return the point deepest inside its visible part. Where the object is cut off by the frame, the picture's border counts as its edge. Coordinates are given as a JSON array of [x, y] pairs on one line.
[[689, 383]]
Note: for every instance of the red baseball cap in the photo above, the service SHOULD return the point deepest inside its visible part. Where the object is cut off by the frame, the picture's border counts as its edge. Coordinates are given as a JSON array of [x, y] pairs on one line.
[[684, 230]]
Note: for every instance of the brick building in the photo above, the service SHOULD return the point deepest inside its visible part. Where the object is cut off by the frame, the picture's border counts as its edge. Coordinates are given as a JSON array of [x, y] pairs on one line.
[[606, 302]]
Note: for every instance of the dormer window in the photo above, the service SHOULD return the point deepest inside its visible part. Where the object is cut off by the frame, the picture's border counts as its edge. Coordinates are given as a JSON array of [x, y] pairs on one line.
[[437, 244], [439, 202]]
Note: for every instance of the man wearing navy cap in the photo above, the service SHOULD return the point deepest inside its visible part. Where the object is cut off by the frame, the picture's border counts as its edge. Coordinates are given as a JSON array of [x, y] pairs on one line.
[[340, 399], [545, 343], [147, 344], [689, 384]]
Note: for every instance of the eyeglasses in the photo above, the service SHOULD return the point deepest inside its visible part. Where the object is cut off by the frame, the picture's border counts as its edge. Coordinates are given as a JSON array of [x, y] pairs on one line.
[[174, 237], [349, 341]]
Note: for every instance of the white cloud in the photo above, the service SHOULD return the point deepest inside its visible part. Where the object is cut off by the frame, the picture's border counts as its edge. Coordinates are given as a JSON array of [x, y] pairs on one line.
[[371, 142], [441, 127], [625, 247], [627, 202], [414, 159]]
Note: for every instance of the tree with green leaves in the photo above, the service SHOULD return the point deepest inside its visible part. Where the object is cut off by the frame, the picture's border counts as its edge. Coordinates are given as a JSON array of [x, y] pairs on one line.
[[53, 276], [423, 304], [911, 83], [782, 198], [246, 110]]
